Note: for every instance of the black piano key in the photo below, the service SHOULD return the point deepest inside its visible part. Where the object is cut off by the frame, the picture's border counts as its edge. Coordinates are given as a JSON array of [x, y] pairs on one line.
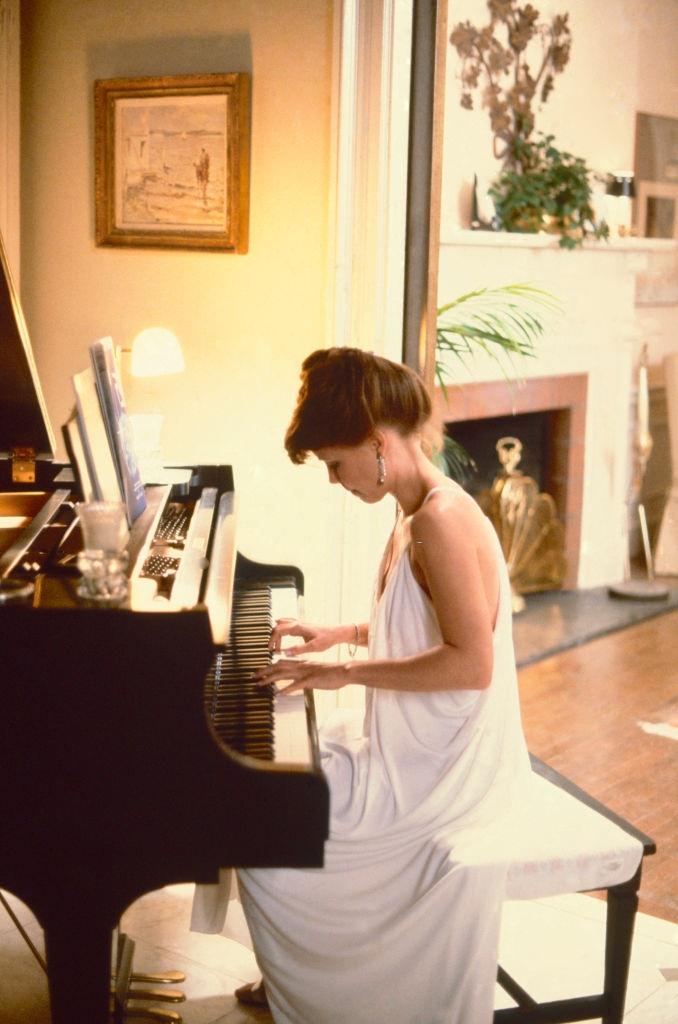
[[225, 714]]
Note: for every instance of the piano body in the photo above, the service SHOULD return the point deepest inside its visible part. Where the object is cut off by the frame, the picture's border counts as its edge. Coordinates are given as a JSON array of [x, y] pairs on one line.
[[133, 751]]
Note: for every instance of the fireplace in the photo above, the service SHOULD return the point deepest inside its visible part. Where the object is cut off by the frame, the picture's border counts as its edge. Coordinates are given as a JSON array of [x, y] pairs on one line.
[[548, 414], [584, 362]]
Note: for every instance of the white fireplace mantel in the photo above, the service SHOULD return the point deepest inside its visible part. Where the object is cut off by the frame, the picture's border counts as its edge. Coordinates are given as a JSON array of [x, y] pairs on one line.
[[596, 334], [526, 240]]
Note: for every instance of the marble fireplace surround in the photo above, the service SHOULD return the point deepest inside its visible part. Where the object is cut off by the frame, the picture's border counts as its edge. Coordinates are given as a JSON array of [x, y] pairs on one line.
[[585, 363]]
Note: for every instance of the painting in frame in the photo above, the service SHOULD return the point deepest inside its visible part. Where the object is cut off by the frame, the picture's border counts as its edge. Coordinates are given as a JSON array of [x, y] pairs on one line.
[[172, 161], [656, 206]]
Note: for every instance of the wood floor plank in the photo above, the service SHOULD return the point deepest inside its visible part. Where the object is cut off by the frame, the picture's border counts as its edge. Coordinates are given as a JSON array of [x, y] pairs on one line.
[[582, 713]]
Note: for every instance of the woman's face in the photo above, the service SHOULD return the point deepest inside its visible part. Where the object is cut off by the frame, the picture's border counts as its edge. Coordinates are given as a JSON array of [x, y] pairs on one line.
[[355, 468]]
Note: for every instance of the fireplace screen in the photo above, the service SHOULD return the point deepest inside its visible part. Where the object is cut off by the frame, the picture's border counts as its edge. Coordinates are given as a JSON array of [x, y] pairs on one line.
[[531, 536], [512, 484]]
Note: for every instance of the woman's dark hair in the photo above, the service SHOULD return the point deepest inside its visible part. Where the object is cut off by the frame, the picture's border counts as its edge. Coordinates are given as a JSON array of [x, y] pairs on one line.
[[346, 393]]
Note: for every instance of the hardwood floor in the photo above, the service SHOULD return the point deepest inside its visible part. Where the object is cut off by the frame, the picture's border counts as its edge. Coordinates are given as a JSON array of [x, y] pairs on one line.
[[606, 715]]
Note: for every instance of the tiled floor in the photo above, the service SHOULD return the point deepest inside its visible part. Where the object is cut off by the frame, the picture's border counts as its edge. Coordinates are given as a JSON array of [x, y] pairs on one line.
[[552, 946]]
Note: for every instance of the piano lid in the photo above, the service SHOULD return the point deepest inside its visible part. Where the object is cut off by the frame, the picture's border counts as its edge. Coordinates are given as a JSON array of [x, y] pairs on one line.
[[24, 421]]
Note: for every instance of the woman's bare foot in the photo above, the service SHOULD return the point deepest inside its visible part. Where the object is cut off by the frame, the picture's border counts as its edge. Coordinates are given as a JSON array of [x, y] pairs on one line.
[[252, 994]]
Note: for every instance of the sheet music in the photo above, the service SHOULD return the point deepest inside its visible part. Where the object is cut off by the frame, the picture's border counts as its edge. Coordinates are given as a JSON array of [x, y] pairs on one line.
[[118, 426], [98, 454], [76, 456]]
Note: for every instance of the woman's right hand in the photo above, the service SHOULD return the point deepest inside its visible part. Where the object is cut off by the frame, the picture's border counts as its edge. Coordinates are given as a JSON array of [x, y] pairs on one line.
[[315, 638]]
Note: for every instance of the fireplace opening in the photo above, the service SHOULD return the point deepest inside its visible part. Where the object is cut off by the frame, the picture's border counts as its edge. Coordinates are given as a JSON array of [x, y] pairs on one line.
[[544, 436], [548, 416]]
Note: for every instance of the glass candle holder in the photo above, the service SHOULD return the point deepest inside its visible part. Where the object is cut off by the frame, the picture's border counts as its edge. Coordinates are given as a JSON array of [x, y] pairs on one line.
[[104, 577], [103, 560]]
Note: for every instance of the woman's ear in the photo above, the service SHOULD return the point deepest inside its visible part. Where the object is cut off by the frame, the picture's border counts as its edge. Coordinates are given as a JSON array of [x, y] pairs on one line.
[[378, 439]]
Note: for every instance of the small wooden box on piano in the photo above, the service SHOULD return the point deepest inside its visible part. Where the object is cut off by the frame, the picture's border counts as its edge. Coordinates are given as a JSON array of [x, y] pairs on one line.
[[134, 750]]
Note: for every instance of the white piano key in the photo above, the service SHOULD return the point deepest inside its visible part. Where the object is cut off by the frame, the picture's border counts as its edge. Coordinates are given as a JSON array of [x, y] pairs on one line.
[[284, 603], [291, 728]]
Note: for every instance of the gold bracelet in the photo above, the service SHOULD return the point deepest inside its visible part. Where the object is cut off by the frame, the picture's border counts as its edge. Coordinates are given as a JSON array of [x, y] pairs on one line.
[[353, 648]]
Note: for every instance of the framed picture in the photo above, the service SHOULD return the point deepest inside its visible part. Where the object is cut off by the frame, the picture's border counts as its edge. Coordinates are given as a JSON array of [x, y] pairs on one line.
[[657, 209], [172, 161], [656, 171]]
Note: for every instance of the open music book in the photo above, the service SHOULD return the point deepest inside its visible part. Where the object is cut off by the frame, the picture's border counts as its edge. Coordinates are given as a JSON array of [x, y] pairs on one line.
[[118, 426], [100, 464], [72, 435], [105, 433]]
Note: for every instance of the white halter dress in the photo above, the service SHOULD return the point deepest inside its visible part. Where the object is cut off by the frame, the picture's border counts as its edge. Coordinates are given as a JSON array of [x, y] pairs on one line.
[[397, 926]]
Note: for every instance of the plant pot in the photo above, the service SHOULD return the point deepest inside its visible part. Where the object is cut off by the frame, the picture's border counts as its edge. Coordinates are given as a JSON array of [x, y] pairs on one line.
[[561, 226], [529, 221]]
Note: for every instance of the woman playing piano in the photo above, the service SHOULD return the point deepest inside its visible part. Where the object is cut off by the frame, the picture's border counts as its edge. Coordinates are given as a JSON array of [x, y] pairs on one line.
[[399, 925]]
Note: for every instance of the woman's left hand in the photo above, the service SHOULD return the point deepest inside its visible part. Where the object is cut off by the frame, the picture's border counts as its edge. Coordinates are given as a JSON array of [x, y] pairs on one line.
[[302, 675]]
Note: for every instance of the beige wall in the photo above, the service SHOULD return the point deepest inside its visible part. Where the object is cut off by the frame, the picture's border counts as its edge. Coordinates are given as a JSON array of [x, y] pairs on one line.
[[245, 322]]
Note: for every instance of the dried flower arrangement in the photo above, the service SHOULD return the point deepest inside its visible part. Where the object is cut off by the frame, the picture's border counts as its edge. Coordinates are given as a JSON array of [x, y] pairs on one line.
[[511, 87], [539, 187]]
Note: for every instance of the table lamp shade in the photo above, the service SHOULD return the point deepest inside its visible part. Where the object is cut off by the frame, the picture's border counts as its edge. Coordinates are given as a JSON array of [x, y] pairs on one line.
[[156, 352]]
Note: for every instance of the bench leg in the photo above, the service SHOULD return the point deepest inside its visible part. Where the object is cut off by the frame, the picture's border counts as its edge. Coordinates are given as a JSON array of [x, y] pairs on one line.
[[622, 904]]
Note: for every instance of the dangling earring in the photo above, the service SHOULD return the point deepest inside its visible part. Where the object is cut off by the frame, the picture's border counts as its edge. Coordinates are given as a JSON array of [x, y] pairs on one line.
[[381, 469]]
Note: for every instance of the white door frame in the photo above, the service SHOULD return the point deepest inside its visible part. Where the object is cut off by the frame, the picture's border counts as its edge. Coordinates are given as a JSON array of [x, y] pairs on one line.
[[10, 132], [370, 125]]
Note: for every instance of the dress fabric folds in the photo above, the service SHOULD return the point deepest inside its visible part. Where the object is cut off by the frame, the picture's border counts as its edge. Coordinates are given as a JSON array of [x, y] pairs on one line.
[[400, 926]]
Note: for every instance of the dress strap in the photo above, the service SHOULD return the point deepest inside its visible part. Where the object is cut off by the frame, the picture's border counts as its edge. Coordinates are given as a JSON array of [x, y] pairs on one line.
[[434, 490]]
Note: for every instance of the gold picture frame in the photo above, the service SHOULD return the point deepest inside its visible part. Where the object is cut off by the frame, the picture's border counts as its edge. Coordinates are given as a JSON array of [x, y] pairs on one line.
[[172, 161]]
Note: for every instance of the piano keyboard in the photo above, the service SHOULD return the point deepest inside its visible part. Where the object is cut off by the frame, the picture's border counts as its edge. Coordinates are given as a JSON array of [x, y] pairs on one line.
[[251, 719], [242, 610]]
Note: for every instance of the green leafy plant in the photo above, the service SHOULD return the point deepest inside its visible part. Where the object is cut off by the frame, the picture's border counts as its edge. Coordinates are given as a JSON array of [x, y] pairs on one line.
[[503, 322], [550, 191]]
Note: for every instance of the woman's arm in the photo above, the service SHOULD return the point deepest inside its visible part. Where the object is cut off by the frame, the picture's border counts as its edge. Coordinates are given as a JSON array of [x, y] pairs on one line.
[[317, 638], [454, 561]]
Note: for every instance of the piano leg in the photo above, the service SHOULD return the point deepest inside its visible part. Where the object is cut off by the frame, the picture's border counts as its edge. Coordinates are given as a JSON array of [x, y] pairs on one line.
[[79, 970]]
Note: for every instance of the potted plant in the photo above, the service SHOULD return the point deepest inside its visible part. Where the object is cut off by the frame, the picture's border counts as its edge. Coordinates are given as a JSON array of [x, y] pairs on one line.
[[549, 191]]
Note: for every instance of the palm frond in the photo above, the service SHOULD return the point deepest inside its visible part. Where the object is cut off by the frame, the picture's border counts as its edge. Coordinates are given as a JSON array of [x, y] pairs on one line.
[[502, 322], [455, 461]]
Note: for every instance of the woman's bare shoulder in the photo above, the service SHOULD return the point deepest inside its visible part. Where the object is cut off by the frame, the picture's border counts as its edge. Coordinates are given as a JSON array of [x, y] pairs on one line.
[[449, 510]]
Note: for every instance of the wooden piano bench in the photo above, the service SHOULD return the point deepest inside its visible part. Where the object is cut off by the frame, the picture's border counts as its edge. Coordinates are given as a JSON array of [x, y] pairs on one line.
[[565, 841]]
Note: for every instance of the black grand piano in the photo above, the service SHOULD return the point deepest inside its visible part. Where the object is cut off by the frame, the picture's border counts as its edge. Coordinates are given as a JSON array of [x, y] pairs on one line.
[[134, 753]]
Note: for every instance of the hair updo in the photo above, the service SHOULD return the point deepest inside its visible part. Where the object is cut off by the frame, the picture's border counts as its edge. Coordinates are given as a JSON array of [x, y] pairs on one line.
[[346, 393]]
